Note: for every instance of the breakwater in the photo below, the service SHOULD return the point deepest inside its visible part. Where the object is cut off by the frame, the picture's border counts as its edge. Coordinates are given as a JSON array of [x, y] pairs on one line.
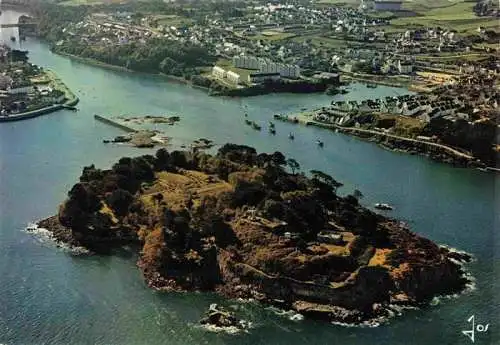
[[115, 123]]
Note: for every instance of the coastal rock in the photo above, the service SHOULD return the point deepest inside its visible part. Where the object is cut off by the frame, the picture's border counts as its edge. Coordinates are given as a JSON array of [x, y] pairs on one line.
[[218, 317]]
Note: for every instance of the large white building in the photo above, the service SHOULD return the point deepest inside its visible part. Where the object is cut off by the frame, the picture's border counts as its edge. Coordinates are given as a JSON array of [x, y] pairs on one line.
[[219, 72], [266, 66], [233, 77], [21, 89]]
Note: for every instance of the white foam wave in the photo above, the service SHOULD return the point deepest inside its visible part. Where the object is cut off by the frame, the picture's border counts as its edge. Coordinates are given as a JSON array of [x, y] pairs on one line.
[[244, 327], [289, 314], [45, 236]]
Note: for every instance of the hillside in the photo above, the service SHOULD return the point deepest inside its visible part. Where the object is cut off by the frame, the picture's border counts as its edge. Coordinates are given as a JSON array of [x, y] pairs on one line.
[[238, 223]]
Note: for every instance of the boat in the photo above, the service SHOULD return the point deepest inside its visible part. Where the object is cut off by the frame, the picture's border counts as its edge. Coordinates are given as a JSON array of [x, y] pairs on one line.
[[291, 136], [246, 114], [256, 126], [272, 131], [248, 122], [12, 38], [320, 143], [32, 227], [371, 86], [383, 206], [271, 125]]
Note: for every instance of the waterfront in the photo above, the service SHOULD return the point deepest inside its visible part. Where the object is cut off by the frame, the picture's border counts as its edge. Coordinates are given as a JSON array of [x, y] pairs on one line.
[[48, 296]]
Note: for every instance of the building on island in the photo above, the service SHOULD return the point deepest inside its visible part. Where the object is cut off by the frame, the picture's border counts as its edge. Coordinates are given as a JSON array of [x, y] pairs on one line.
[[388, 5], [233, 77], [257, 78], [218, 72], [21, 89]]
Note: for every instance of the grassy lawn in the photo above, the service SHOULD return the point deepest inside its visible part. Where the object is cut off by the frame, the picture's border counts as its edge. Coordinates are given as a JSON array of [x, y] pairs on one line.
[[172, 20], [317, 40], [457, 15], [273, 35]]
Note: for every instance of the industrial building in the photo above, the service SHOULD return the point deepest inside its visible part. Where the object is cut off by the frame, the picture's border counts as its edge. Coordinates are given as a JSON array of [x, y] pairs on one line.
[[257, 78], [266, 66]]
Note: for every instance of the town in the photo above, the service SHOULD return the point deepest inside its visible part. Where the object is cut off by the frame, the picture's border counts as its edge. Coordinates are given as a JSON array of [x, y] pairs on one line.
[[27, 90], [247, 49]]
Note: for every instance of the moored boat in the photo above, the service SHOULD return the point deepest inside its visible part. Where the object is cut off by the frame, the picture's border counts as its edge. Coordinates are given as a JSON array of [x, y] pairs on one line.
[[256, 126], [291, 136], [383, 206]]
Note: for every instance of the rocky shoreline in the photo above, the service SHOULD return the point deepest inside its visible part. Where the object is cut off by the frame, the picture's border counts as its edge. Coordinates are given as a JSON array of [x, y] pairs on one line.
[[218, 223], [415, 149]]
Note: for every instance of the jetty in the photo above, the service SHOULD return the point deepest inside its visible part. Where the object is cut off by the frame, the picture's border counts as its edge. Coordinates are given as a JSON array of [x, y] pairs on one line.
[[116, 123]]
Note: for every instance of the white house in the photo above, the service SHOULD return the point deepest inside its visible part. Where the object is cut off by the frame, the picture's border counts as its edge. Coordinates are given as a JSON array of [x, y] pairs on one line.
[[218, 72], [233, 77], [404, 67]]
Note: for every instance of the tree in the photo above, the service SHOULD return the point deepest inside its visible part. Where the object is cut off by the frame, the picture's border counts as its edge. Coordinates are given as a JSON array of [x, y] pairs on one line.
[[321, 177], [293, 165], [357, 194]]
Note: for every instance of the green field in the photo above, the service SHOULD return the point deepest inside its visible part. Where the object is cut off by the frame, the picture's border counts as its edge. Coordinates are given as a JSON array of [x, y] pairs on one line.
[[172, 20], [456, 15], [273, 36]]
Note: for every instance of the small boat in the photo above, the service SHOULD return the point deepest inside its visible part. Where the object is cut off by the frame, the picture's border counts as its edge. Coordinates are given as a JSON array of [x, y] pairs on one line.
[[272, 131], [371, 86], [246, 114], [291, 136], [383, 206], [32, 227], [12, 38], [320, 143], [271, 125], [105, 141], [248, 122], [256, 126]]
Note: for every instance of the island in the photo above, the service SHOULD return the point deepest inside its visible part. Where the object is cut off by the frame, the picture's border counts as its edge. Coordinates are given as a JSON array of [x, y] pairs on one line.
[[251, 225]]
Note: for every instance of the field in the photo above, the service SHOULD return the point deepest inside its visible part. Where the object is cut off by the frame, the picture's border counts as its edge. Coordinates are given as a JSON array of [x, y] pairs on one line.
[[172, 20], [457, 16], [270, 35]]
